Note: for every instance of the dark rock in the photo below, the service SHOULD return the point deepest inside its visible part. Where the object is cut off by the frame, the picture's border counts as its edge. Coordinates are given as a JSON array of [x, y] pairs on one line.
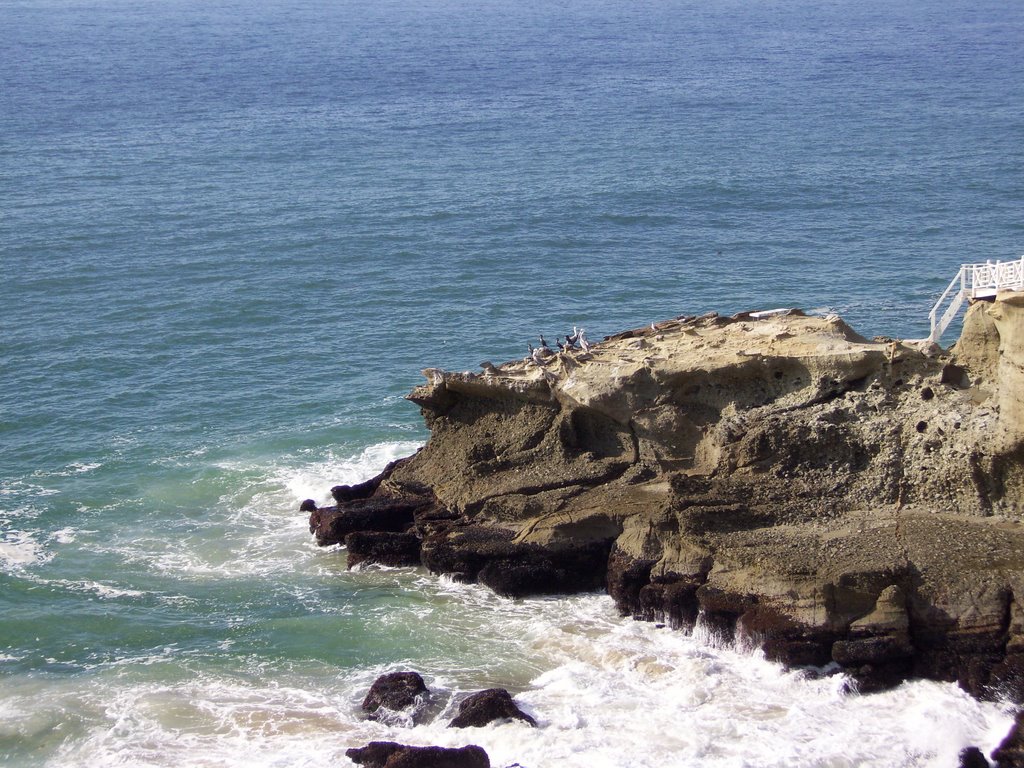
[[375, 754], [875, 663], [463, 550], [364, 490], [955, 376], [1006, 677], [387, 754], [487, 706], [332, 525], [672, 598], [537, 570], [307, 506], [972, 757], [395, 691], [1010, 752], [473, 553], [627, 576], [784, 639], [871, 650], [470, 756], [392, 549], [345, 493]]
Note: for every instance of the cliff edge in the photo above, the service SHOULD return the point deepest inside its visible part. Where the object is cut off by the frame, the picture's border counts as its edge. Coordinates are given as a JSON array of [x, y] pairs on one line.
[[774, 476]]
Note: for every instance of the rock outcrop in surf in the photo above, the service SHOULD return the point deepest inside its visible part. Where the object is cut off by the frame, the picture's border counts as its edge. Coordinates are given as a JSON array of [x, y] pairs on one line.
[[775, 476]]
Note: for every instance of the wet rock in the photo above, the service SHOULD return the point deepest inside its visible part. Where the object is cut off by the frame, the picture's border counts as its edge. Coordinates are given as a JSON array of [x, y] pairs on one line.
[[345, 493], [332, 524], [387, 754], [875, 663], [384, 548], [364, 490], [537, 570], [626, 578], [473, 553], [308, 506], [972, 757], [487, 706], [395, 691], [1010, 752], [375, 754]]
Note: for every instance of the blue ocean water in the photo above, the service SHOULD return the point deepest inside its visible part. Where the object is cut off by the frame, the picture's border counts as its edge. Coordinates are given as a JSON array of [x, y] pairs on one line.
[[231, 235]]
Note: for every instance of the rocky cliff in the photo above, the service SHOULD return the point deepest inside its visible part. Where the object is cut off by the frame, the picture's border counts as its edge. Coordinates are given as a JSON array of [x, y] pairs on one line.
[[775, 476]]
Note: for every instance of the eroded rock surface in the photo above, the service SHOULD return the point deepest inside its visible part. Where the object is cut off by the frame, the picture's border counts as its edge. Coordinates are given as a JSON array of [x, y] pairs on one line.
[[777, 477]]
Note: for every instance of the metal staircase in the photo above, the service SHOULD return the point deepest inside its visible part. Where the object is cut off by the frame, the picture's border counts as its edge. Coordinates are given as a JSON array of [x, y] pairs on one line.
[[974, 281]]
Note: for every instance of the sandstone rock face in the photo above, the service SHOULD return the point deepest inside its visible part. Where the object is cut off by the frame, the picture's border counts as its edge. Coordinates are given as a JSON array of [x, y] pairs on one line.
[[777, 477]]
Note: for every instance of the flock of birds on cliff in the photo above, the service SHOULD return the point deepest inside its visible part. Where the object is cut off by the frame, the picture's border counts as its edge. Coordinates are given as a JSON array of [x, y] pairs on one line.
[[575, 342], [542, 354]]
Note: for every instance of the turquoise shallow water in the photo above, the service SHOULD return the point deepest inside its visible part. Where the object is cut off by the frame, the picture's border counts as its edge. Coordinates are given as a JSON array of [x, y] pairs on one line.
[[231, 235]]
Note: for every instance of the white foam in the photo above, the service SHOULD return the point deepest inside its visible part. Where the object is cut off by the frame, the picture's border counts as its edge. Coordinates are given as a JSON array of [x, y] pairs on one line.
[[19, 549], [605, 691], [255, 529], [107, 592], [314, 481], [64, 536]]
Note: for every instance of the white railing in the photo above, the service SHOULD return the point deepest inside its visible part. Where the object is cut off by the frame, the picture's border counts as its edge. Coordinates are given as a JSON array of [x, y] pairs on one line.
[[994, 276], [974, 281]]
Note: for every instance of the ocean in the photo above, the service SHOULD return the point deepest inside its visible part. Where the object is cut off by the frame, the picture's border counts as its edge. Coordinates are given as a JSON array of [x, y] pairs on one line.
[[233, 233]]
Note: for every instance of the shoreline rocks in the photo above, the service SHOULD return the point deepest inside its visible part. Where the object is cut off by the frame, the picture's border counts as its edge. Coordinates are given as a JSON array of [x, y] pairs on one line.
[[388, 754], [393, 693], [485, 707], [778, 478]]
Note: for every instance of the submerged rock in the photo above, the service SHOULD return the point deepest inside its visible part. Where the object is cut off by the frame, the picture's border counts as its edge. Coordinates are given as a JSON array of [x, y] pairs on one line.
[[485, 707], [834, 499]]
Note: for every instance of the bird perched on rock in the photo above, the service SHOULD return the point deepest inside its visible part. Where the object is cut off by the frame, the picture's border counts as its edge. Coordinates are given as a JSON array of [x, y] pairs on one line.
[[540, 355], [584, 344]]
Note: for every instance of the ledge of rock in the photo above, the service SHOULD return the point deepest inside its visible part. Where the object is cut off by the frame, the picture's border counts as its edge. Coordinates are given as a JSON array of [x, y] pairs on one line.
[[773, 475]]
